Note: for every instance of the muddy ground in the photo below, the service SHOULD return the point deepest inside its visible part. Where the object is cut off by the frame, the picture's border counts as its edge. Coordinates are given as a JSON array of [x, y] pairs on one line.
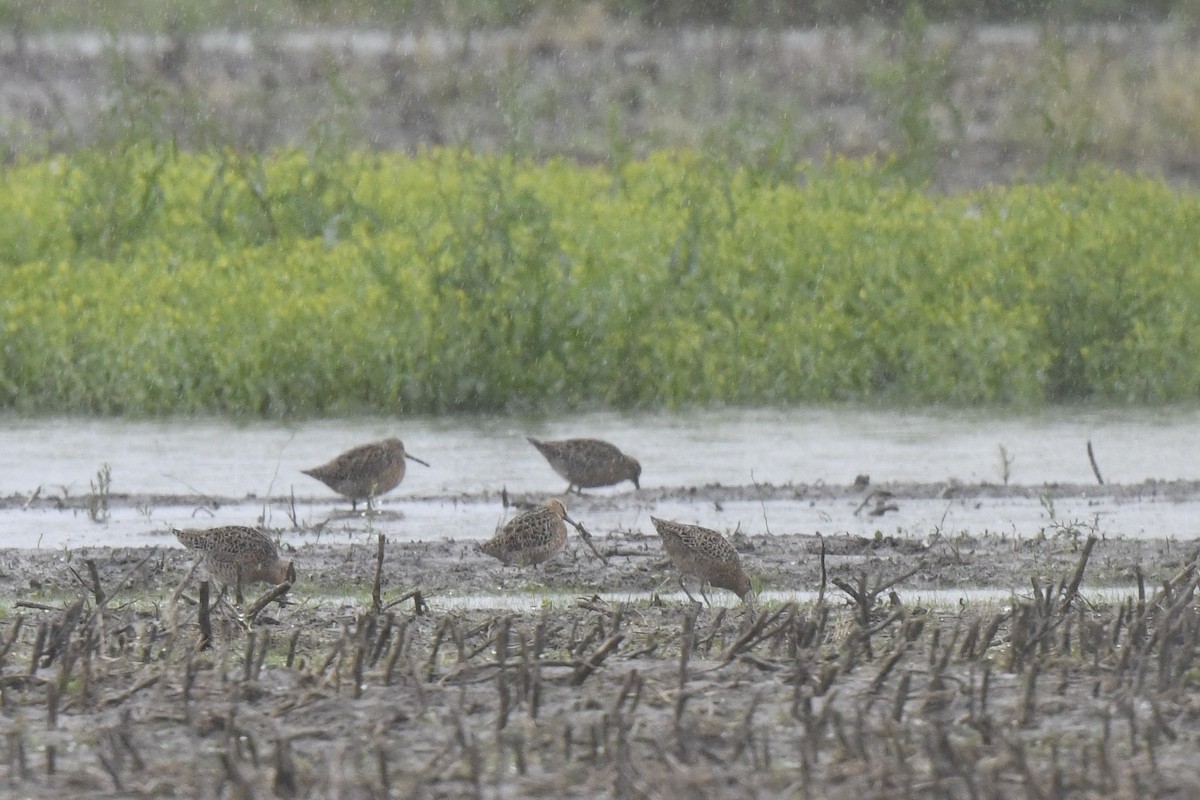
[[781, 560], [106, 692]]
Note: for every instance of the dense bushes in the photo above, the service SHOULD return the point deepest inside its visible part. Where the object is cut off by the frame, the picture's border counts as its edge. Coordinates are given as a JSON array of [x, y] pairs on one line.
[[161, 282]]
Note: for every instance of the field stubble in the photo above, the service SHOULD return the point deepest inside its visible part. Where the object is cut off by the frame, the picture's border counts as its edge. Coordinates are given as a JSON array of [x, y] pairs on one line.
[[861, 694]]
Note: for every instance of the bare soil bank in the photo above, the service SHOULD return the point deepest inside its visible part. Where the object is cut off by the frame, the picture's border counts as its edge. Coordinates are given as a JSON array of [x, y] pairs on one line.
[[1049, 695], [974, 104]]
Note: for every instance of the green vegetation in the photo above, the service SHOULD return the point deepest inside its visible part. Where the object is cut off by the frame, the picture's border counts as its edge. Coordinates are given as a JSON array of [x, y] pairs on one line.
[[152, 281], [177, 14]]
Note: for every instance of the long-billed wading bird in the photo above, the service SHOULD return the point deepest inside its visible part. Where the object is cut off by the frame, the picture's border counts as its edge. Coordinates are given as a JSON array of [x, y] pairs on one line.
[[588, 463], [366, 471], [238, 556], [534, 536], [704, 554]]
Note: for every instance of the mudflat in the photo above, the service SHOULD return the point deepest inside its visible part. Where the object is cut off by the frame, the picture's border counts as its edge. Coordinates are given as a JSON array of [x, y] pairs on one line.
[[405, 688]]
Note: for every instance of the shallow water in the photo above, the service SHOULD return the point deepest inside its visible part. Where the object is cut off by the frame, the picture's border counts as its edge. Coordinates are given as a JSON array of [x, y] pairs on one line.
[[474, 457]]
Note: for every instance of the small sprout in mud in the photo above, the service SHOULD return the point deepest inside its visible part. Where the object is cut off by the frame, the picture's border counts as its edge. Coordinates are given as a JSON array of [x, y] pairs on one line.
[[32, 498], [1047, 503], [97, 499], [1006, 462]]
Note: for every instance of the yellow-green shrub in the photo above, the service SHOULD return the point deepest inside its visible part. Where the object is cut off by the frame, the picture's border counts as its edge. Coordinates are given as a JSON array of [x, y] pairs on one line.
[[156, 282]]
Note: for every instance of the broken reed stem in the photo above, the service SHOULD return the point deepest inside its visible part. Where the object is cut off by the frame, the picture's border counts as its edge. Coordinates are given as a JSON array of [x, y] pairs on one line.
[[376, 591], [382, 640], [248, 660], [1077, 578], [356, 668], [38, 643], [1029, 701], [269, 596], [587, 539], [588, 667], [97, 591], [14, 630], [205, 618], [685, 647], [824, 575], [1092, 459], [419, 605]]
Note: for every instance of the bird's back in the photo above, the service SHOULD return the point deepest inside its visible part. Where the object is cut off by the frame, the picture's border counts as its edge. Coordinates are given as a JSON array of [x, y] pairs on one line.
[[235, 550], [588, 463], [365, 470], [703, 553], [529, 538]]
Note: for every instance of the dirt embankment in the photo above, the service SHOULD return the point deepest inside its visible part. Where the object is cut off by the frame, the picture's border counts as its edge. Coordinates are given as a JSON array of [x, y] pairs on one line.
[[999, 102]]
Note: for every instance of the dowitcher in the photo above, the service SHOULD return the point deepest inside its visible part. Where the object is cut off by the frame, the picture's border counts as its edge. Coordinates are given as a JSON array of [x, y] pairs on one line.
[[588, 463], [238, 556], [704, 554], [531, 537], [366, 471]]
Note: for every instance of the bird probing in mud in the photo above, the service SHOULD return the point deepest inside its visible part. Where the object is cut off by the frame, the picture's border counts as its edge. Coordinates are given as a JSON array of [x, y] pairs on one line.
[[366, 471], [238, 556], [706, 555], [534, 536], [588, 463]]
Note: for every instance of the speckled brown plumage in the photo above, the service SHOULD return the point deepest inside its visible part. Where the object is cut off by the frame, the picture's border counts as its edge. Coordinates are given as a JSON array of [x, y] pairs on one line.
[[366, 471], [704, 554], [588, 463], [531, 537], [235, 551]]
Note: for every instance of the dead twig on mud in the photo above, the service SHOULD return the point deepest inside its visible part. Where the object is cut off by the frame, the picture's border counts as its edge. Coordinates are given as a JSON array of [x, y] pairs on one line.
[[376, 600], [1092, 459], [587, 538], [1073, 587], [824, 575], [205, 619], [267, 597], [36, 605], [94, 587], [755, 633], [597, 658], [865, 597], [419, 605]]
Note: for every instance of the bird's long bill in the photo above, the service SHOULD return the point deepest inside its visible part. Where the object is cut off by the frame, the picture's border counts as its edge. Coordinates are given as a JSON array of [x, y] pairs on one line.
[[414, 458], [587, 537]]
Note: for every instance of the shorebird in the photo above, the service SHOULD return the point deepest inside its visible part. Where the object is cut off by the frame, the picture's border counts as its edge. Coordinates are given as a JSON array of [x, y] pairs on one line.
[[704, 554], [531, 537], [237, 556], [366, 471], [588, 463]]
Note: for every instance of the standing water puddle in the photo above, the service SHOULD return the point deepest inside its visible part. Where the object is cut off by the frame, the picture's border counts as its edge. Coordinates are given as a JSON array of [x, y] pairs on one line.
[[169, 467]]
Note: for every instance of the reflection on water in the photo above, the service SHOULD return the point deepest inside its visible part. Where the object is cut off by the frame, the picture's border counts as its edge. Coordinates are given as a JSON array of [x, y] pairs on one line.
[[473, 455]]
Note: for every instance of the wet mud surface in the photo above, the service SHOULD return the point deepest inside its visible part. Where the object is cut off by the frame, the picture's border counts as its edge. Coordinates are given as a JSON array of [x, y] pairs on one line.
[[1049, 692]]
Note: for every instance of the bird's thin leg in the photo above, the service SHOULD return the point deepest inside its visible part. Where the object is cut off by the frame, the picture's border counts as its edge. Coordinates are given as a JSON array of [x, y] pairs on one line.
[[660, 586], [704, 594], [683, 585]]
